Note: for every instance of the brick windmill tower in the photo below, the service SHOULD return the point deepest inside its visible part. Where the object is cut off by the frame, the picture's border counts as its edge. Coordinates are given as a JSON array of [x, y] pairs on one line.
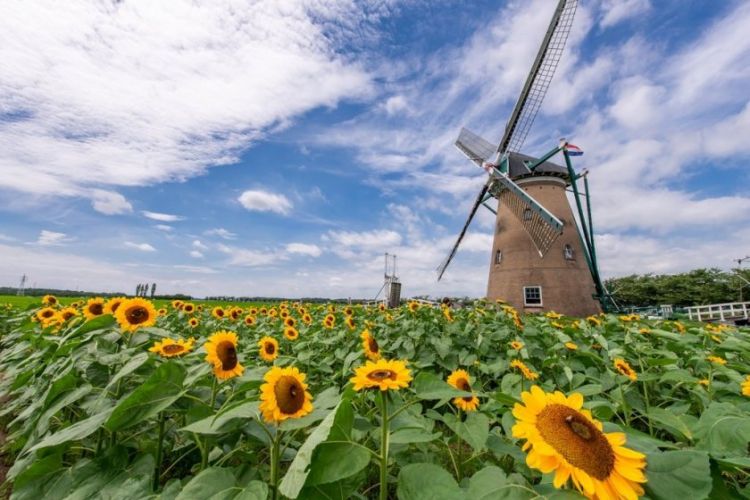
[[542, 257]]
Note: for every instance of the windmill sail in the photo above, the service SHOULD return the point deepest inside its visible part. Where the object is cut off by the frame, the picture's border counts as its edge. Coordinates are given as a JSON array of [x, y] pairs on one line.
[[474, 147], [442, 267], [539, 79], [542, 226]]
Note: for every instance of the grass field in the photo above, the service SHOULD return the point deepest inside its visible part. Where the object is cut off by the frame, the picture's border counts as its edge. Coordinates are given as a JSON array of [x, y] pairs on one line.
[[27, 301], [311, 401]]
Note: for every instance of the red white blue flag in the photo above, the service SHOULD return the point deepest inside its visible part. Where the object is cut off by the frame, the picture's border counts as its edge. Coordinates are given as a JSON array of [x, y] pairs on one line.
[[573, 150]]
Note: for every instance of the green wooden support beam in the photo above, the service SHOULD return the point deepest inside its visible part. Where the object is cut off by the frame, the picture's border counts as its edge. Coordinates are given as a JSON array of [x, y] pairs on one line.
[[544, 158]]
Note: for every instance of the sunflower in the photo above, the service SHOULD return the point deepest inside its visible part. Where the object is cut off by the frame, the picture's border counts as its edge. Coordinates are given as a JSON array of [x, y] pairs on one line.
[[381, 307], [68, 312], [644, 331], [350, 323], [249, 320], [49, 300], [557, 324], [272, 313], [331, 308], [177, 304], [460, 380], [413, 306], [218, 312], [234, 313], [221, 349], [291, 333], [188, 307], [516, 345], [289, 321], [112, 304], [46, 314], [269, 348], [162, 312], [571, 346], [704, 382], [679, 326], [284, 395], [283, 314], [370, 345], [193, 322], [253, 311], [383, 374], [594, 321], [746, 386], [563, 438], [329, 321], [717, 359], [348, 311], [528, 373], [135, 313], [307, 319], [93, 308], [553, 315], [624, 368], [169, 348], [263, 311]]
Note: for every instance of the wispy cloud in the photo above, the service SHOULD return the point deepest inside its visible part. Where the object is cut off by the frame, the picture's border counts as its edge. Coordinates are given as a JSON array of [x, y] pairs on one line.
[[164, 227], [221, 233], [161, 217], [143, 247], [52, 238], [264, 201], [109, 202], [304, 249]]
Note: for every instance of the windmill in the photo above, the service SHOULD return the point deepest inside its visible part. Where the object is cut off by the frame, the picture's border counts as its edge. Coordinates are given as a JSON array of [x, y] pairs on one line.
[[542, 258]]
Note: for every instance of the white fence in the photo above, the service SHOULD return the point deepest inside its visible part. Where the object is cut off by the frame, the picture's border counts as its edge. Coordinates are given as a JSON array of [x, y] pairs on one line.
[[720, 312]]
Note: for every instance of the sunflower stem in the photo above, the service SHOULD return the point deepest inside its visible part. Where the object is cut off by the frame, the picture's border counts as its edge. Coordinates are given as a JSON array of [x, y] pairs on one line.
[[646, 400], [384, 446], [159, 450], [459, 452], [275, 447], [625, 409], [205, 449]]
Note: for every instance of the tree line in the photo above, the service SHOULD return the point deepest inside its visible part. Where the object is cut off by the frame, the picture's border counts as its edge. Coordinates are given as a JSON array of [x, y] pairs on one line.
[[696, 287]]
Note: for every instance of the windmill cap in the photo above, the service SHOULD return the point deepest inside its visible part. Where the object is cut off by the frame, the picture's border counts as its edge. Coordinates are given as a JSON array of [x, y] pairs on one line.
[[517, 168]]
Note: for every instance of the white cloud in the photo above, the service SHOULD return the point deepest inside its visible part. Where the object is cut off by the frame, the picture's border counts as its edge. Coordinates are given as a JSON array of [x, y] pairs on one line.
[[304, 249], [51, 238], [395, 104], [196, 254], [200, 246], [5, 237], [133, 94], [161, 217], [264, 201], [143, 247], [616, 11], [476, 242], [368, 240], [164, 227], [109, 202], [221, 233], [248, 258]]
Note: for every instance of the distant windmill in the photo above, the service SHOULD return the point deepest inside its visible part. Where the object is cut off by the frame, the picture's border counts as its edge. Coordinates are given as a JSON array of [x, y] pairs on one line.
[[536, 262], [22, 286]]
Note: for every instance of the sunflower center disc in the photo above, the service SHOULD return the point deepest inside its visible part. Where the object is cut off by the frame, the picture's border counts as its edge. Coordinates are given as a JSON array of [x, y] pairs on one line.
[[48, 314], [379, 375], [114, 306], [136, 315], [96, 309], [372, 344], [172, 348], [227, 354], [573, 436], [290, 395], [464, 385], [270, 349]]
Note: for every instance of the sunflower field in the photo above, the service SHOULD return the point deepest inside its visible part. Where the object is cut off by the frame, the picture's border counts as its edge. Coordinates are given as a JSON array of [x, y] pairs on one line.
[[119, 399]]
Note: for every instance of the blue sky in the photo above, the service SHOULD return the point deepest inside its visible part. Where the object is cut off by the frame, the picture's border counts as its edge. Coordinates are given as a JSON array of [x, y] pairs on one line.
[[280, 148]]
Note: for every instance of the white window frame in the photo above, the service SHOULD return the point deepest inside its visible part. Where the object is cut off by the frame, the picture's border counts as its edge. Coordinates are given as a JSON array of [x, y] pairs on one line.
[[525, 302]]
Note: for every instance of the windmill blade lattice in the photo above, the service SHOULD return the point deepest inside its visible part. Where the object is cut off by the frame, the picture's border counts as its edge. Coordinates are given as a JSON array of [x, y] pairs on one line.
[[543, 227], [540, 77], [474, 147]]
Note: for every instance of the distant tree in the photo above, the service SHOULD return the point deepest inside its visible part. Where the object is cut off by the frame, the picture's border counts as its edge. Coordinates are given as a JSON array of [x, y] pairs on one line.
[[153, 289]]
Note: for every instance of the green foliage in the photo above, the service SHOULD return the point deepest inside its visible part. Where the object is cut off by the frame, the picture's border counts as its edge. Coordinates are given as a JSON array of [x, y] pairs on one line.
[[92, 413], [697, 287]]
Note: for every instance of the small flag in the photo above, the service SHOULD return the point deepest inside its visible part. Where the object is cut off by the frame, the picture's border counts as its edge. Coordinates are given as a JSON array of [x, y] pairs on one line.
[[573, 150]]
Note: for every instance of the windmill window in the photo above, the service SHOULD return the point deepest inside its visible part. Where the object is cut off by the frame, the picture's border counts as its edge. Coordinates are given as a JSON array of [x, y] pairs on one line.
[[532, 296], [569, 253], [498, 256], [527, 214]]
